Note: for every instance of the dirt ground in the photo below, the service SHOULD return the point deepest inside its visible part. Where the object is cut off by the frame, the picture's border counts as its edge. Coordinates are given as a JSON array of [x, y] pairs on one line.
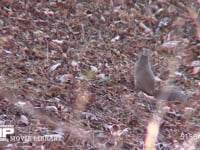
[[67, 70]]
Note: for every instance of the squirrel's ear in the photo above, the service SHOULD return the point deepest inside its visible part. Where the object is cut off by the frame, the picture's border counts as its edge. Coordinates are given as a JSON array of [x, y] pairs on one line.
[[146, 51]]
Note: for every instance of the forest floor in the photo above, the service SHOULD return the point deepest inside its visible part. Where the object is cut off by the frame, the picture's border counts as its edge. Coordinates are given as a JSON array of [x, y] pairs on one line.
[[67, 70]]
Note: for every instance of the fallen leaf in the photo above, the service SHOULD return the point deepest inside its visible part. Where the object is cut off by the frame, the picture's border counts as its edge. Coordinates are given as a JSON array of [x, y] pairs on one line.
[[24, 120]]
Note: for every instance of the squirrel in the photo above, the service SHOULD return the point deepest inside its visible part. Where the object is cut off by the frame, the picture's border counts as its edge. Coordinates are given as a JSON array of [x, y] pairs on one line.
[[144, 80], [143, 74]]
